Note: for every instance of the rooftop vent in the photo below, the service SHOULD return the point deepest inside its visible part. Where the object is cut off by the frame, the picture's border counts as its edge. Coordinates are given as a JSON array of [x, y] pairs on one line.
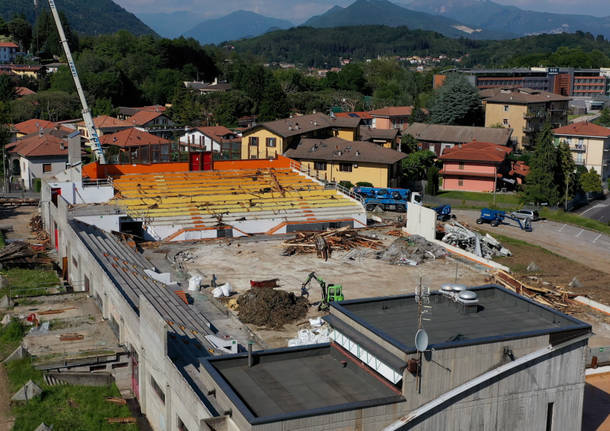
[[468, 302]]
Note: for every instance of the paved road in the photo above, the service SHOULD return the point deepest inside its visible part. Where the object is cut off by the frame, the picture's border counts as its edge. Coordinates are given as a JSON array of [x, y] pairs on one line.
[[597, 210], [584, 246], [586, 118]]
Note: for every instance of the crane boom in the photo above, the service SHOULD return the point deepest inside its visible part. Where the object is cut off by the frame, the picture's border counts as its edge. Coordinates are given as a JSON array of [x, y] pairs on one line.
[[93, 138]]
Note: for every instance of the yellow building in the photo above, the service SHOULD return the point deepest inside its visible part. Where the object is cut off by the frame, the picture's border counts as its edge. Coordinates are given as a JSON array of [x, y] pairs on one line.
[[336, 160], [525, 111], [33, 72], [273, 138], [589, 144]]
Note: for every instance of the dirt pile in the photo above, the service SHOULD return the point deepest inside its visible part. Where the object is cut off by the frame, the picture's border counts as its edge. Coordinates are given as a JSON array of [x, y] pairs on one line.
[[411, 251], [270, 307]]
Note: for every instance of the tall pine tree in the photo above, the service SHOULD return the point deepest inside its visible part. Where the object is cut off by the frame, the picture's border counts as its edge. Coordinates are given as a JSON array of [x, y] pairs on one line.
[[541, 183], [457, 102]]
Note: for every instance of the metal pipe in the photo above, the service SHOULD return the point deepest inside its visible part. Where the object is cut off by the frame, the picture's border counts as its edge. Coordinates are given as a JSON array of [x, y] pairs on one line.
[[250, 358]]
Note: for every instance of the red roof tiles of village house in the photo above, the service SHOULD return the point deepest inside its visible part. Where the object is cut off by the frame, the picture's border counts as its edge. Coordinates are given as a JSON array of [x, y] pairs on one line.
[[8, 45], [219, 133], [132, 137], [520, 168], [40, 146], [583, 128], [360, 114], [33, 125], [23, 91], [393, 111], [142, 118], [477, 152], [105, 121]]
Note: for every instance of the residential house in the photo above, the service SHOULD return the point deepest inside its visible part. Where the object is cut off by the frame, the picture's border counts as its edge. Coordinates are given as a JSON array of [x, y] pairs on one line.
[[439, 137], [225, 143], [8, 51], [33, 125], [387, 138], [207, 88], [589, 144], [391, 117], [154, 122], [525, 111], [134, 145], [23, 70], [366, 117], [128, 111], [335, 160], [39, 155], [104, 125], [273, 138], [23, 91], [475, 167]]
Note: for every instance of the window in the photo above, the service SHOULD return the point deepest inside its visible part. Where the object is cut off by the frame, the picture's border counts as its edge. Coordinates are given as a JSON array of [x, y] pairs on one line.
[[254, 141], [505, 121], [549, 417], [345, 167], [157, 389], [506, 107], [46, 167], [319, 166], [271, 142], [460, 182], [461, 166]]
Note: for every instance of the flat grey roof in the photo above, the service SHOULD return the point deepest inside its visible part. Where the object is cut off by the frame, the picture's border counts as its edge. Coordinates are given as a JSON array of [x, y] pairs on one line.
[[502, 315], [298, 382]]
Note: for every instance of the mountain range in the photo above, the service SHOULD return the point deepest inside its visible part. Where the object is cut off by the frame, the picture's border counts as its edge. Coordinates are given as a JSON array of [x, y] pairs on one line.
[[384, 12], [87, 17], [497, 17], [236, 25]]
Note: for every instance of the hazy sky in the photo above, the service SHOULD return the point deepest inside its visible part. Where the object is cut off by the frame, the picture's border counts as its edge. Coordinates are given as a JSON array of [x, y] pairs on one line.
[[300, 10]]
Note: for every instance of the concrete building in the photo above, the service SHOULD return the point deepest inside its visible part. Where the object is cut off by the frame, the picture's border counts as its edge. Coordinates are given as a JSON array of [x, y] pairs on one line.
[[8, 50], [439, 138], [476, 167], [274, 138], [494, 360], [589, 144], [335, 160], [525, 111]]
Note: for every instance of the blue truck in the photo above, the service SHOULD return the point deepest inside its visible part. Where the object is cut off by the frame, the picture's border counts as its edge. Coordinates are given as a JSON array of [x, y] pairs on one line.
[[387, 199]]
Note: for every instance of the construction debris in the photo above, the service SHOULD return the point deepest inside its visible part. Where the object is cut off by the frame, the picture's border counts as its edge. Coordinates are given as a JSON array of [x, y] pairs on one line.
[[20, 253], [14, 202], [271, 307], [130, 420], [546, 294], [37, 229], [314, 335], [413, 250], [325, 243], [532, 267], [484, 246], [116, 400], [575, 283], [274, 282]]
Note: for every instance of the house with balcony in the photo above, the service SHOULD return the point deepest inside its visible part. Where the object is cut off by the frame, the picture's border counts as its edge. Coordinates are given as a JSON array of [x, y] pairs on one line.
[[476, 167], [223, 142], [273, 138], [589, 144], [525, 111]]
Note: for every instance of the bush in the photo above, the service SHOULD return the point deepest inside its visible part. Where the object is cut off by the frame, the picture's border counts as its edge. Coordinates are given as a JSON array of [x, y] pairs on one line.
[[364, 184], [432, 177], [347, 184], [37, 185]]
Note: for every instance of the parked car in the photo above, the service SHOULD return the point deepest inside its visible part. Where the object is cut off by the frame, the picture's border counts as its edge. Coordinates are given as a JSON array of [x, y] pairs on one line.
[[523, 214]]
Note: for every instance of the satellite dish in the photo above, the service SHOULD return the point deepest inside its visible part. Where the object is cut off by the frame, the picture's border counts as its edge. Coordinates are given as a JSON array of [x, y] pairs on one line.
[[421, 340]]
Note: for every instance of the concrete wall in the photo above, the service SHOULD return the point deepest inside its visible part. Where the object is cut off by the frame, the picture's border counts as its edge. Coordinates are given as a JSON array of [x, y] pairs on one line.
[[421, 221], [33, 168]]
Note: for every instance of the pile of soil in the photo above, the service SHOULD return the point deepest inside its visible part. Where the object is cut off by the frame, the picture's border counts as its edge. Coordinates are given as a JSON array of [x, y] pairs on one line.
[[270, 307]]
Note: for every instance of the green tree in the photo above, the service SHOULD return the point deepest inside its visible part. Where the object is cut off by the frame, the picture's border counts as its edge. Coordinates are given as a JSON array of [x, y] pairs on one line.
[[456, 102], [45, 38], [415, 165], [604, 118], [21, 31], [7, 89], [566, 178], [540, 184], [408, 144], [591, 182], [432, 177]]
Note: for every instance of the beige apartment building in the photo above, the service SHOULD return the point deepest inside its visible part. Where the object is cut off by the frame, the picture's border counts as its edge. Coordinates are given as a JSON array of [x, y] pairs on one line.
[[589, 144], [525, 111]]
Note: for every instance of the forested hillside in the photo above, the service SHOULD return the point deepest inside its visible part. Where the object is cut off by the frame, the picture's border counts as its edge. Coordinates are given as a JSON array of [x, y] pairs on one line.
[[88, 17]]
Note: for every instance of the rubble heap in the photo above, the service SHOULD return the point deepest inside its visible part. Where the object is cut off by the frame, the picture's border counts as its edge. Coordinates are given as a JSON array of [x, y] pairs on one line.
[[485, 246], [270, 307], [411, 251], [324, 243], [38, 229]]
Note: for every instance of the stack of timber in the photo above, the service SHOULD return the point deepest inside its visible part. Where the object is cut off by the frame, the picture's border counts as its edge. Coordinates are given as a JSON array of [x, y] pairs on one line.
[[20, 253], [324, 243]]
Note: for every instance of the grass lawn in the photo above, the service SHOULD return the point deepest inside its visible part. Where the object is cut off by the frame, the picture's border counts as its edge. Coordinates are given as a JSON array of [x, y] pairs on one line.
[[29, 282], [10, 337], [65, 407], [503, 198], [575, 219]]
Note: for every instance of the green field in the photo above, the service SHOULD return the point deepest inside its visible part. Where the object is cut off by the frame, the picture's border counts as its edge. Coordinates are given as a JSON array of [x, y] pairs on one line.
[[575, 219], [29, 282]]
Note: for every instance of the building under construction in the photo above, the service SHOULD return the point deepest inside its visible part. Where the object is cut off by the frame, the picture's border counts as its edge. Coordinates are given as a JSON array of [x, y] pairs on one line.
[[493, 360]]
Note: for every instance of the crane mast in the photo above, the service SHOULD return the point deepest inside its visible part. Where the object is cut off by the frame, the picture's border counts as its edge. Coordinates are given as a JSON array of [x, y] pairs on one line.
[[93, 138]]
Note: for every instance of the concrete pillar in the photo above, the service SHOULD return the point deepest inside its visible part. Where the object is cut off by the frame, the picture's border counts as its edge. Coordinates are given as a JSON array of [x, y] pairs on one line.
[[170, 419], [142, 379]]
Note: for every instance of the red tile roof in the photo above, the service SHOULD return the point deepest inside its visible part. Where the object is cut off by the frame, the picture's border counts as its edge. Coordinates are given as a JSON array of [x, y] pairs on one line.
[[8, 45], [218, 133], [393, 111], [520, 168], [40, 146], [477, 152], [23, 91], [132, 137], [33, 125], [142, 118], [583, 129], [105, 121], [360, 114]]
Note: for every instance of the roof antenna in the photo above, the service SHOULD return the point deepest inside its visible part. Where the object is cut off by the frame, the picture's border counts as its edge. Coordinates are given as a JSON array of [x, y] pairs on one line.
[[422, 297]]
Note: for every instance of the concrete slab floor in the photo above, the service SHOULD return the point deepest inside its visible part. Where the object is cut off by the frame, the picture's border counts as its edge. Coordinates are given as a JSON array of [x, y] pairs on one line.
[[238, 262], [68, 314]]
